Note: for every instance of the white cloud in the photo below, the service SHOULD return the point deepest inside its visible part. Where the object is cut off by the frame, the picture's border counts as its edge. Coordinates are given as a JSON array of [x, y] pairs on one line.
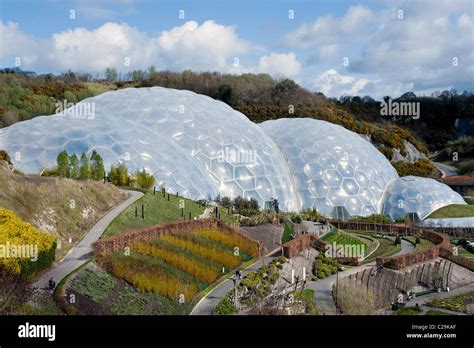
[[280, 64], [327, 29], [209, 46], [334, 84]]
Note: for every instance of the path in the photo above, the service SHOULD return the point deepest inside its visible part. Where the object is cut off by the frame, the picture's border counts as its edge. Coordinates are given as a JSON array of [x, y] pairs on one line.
[[207, 304], [82, 252], [445, 169]]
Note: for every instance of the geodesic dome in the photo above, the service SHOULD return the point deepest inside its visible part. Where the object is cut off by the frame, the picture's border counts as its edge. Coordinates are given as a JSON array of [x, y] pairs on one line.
[[193, 144], [332, 166], [417, 196]]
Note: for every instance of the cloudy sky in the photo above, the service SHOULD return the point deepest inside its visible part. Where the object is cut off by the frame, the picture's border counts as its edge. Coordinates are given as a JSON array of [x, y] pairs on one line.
[[338, 47]]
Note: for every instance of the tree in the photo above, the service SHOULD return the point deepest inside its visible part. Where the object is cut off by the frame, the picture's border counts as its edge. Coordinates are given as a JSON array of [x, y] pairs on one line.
[[84, 171], [144, 180], [111, 74], [63, 164], [97, 166], [119, 175], [74, 166]]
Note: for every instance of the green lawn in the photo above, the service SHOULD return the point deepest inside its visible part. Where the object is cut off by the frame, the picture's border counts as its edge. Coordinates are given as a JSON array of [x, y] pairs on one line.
[[157, 210], [386, 247], [342, 238], [424, 243], [453, 211], [408, 311]]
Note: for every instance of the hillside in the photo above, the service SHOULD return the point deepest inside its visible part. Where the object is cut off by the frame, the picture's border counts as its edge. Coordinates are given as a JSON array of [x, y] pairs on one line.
[[66, 208]]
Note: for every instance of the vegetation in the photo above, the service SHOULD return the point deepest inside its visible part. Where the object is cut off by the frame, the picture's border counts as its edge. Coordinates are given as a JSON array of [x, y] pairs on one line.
[[243, 244], [240, 205], [420, 243], [342, 238], [226, 306], [387, 247], [146, 276], [157, 209], [114, 296], [63, 208], [324, 266], [68, 166], [421, 167], [453, 211], [374, 218], [456, 303], [17, 235], [307, 296], [288, 231], [408, 311], [353, 299]]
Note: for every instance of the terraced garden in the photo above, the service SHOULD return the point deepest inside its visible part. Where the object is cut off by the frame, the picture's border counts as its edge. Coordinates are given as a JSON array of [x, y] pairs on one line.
[[172, 269]]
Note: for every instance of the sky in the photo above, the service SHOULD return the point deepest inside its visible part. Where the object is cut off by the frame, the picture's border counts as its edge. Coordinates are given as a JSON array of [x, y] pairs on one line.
[[336, 47]]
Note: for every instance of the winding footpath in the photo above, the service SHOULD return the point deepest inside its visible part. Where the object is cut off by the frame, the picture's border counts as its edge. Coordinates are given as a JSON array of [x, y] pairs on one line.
[[82, 252]]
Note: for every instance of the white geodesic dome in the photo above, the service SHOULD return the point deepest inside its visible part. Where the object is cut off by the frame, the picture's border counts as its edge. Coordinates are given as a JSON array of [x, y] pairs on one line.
[[192, 143], [332, 166], [420, 196]]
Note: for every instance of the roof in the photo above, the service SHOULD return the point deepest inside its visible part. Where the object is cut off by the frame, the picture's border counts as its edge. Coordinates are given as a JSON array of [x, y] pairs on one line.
[[459, 180]]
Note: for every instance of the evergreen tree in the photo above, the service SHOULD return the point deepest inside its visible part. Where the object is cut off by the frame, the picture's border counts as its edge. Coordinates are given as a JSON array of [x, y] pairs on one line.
[[85, 171], [97, 166], [63, 164], [74, 166]]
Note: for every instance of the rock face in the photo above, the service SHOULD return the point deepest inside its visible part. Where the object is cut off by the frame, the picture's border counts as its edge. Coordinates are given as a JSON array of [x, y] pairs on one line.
[[412, 154], [386, 284]]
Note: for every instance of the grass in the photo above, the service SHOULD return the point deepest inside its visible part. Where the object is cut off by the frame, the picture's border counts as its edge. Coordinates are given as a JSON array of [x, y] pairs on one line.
[[408, 311], [424, 243], [386, 247], [436, 312], [453, 211], [65, 207], [456, 303], [157, 210], [122, 298], [342, 238], [307, 295]]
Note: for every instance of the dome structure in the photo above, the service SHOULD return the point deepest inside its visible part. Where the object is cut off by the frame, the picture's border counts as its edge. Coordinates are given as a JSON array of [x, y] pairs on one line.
[[332, 166], [201, 147], [193, 144], [417, 197]]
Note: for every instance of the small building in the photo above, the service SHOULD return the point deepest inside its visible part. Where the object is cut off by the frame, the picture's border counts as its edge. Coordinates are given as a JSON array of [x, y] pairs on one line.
[[462, 184]]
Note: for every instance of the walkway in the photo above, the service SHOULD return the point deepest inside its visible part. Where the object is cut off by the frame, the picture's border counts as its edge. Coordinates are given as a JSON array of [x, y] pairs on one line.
[[82, 252]]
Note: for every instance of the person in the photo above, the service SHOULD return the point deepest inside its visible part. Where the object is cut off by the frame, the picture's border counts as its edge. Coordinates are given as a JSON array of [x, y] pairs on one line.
[[52, 283]]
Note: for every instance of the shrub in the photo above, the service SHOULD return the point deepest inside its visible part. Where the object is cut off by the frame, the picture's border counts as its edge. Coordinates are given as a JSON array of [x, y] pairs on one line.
[[231, 239], [16, 232]]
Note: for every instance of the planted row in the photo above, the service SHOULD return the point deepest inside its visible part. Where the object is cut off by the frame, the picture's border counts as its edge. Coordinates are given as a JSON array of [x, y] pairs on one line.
[[211, 253], [183, 262], [231, 239], [148, 277]]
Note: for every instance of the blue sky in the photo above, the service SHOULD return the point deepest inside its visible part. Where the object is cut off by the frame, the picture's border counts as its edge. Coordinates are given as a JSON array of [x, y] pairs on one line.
[[337, 47]]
